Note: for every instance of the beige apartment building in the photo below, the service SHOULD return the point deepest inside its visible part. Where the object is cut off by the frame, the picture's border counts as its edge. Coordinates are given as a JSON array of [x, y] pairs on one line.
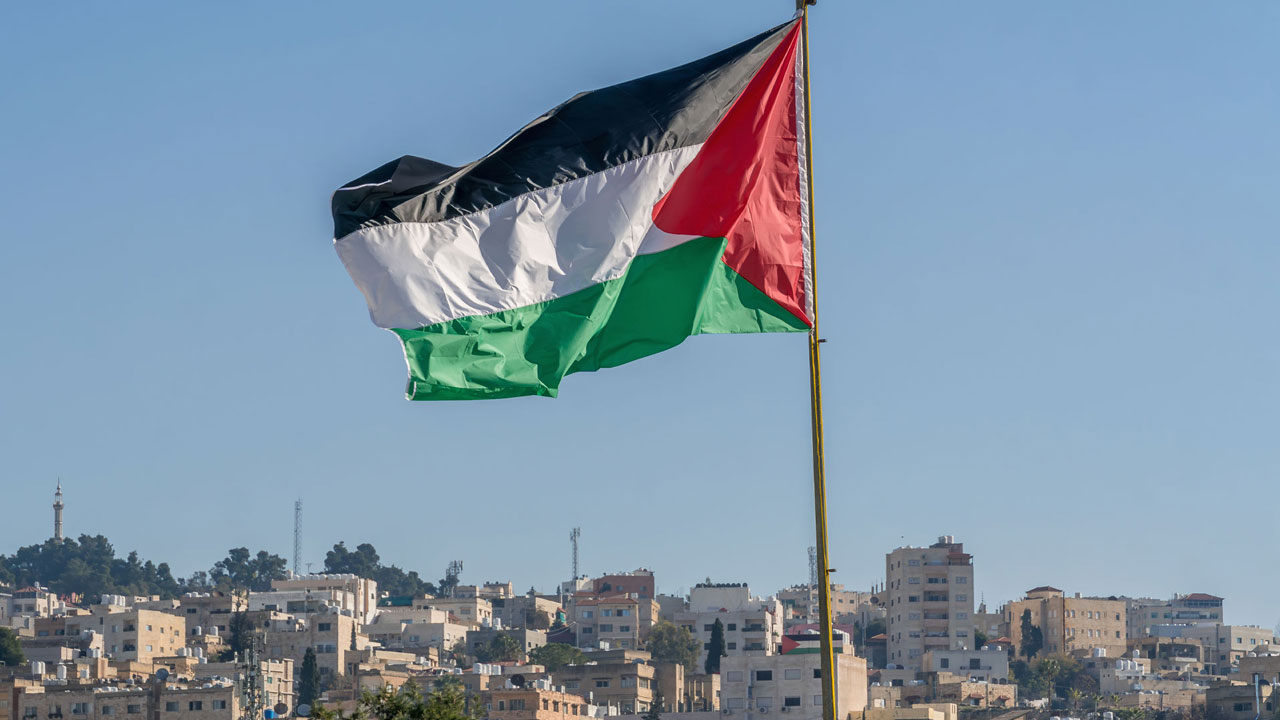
[[473, 612], [1224, 645], [536, 703], [210, 613], [126, 702], [620, 621], [140, 635], [1189, 609], [364, 592], [930, 601], [627, 686], [752, 625], [331, 636], [792, 683], [1069, 623]]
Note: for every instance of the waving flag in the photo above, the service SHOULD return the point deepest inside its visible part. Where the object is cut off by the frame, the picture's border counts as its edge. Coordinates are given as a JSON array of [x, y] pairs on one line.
[[609, 229]]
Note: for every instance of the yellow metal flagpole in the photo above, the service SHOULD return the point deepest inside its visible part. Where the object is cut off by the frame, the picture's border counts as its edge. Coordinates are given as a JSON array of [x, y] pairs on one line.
[[815, 401]]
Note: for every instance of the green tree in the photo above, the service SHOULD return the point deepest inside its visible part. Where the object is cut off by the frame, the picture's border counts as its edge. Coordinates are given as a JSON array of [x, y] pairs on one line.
[[979, 639], [655, 710], [243, 571], [365, 562], [673, 643], [1032, 637], [240, 630], [501, 648], [309, 679], [10, 648], [556, 655], [446, 702], [715, 649]]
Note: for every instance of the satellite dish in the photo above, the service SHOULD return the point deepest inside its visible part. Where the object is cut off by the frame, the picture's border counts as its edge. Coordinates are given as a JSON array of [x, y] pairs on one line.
[[302, 710], [281, 709], [517, 680], [162, 674]]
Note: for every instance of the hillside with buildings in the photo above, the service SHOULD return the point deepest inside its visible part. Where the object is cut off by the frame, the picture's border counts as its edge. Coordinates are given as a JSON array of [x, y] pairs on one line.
[[85, 633]]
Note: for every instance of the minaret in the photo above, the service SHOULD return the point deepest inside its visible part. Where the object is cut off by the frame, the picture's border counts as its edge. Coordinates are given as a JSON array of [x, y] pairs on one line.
[[57, 513]]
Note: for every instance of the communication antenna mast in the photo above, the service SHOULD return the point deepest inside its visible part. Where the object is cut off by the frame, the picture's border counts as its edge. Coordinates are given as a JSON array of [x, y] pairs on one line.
[[573, 540], [297, 537], [813, 581], [451, 575], [252, 690]]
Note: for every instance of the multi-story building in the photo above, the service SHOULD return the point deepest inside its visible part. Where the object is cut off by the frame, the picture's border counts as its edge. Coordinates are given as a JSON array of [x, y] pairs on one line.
[[537, 702], [530, 611], [986, 664], [640, 583], [473, 611], [1069, 623], [480, 638], [628, 686], [930, 600], [132, 634], [620, 621], [792, 682], [1224, 645], [1239, 701], [218, 700], [847, 606], [364, 592], [206, 611], [334, 638], [489, 591], [1190, 609], [752, 625], [31, 601]]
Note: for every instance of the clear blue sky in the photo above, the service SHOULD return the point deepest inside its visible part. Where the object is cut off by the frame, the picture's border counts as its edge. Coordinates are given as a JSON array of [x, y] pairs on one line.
[[1048, 272]]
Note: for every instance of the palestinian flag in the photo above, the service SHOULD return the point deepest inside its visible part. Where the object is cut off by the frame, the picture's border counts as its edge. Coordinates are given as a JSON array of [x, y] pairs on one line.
[[611, 228]]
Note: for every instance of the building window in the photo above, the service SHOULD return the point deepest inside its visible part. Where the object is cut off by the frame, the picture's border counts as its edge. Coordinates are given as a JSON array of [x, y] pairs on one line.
[[731, 646], [624, 628], [791, 674], [735, 703], [912, 563], [517, 704], [195, 705], [962, 580], [133, 709], [764, 676], [602, 683], [80, 708], [944, 663], [606, 613], [791, 701], [707, 627], [219, 704], [109, 710], [817, 700], [571, 685], [586, 631], [817, 675], [734, 676], [628, 681], [171, 706], [733, 626], [606, 627], [324, 627]]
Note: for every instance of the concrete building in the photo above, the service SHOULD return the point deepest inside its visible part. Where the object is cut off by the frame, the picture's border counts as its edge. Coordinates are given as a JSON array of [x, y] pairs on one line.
[[626, 685], [140, 635], [1069, 623], [363, 591], [219, 701], [615, 621], [640, 583], [930, 600], [210, 613], [480, 638], [537, 702], [331, 636], [752, 625], [473, 612], [1190, 609], [1224, 645], [756, 685], [988, 664], [530, 611], [1239, 701], [489, 591]]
